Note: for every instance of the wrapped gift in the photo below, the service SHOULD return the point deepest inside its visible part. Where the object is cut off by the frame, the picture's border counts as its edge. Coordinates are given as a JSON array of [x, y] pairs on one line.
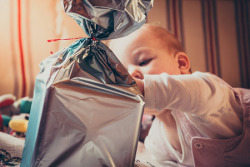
[[87, 109]]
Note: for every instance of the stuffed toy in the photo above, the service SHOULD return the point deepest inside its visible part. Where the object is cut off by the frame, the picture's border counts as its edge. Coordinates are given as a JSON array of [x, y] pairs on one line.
[[4, 122], [19, 125], [9, 106], [14, 114]]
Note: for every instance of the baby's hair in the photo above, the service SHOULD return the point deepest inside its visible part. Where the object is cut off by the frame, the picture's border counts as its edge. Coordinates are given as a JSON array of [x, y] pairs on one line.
[[169, 41]]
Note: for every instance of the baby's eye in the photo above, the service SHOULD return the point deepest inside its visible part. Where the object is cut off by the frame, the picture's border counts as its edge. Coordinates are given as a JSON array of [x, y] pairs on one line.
[[145, 62]]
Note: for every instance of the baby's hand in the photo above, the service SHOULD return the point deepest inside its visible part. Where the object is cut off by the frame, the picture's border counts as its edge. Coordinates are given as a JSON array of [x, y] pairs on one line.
[[140, 85]]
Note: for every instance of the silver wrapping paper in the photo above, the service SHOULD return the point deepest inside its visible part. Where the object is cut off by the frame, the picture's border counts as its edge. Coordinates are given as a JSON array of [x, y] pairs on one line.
[[108, 19], [86, 108]]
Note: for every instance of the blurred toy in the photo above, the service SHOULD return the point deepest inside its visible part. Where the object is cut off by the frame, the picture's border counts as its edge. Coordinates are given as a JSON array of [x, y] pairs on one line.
[[7, 106], [10, 107], [4, 121], [24, 105], [14, 115], [19, 125]]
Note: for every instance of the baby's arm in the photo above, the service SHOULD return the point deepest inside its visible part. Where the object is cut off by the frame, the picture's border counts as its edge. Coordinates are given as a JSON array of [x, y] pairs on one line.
[[196, 94]]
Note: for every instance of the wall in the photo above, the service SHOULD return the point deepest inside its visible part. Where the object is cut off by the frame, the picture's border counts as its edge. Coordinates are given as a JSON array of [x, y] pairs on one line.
[[214, 33]]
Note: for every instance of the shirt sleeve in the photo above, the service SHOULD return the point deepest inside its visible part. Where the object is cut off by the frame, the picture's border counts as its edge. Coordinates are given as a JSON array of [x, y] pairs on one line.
[[199, 94]]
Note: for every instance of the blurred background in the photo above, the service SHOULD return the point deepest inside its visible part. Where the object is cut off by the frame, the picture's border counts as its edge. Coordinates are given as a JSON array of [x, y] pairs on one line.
[[214, 33]]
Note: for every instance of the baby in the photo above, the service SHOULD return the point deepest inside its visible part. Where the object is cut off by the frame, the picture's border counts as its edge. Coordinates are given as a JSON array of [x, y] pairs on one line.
[[199, 119]]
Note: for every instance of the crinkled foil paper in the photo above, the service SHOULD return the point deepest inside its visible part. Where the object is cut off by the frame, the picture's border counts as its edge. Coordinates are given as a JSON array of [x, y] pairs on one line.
[[86, 108]]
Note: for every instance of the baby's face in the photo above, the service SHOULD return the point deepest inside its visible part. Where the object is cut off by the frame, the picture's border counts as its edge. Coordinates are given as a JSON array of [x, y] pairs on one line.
[[143, 53]]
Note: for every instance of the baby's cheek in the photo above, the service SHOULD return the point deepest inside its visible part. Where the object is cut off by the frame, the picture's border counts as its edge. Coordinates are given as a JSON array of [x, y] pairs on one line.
[[171, 70], [153, 68]]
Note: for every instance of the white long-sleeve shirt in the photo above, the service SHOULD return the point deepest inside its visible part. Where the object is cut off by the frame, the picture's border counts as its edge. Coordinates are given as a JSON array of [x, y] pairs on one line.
[[206, 101]]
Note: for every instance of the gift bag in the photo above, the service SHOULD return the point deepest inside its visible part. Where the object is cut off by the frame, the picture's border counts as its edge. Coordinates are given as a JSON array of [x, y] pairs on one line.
[[87, 109]]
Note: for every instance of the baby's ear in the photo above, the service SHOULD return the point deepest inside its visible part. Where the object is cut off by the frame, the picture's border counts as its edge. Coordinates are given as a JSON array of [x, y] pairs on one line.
[[183, 61]]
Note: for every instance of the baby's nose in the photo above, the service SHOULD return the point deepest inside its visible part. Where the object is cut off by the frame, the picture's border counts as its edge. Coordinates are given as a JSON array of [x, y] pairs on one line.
[[135, 72], [137, 75]]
